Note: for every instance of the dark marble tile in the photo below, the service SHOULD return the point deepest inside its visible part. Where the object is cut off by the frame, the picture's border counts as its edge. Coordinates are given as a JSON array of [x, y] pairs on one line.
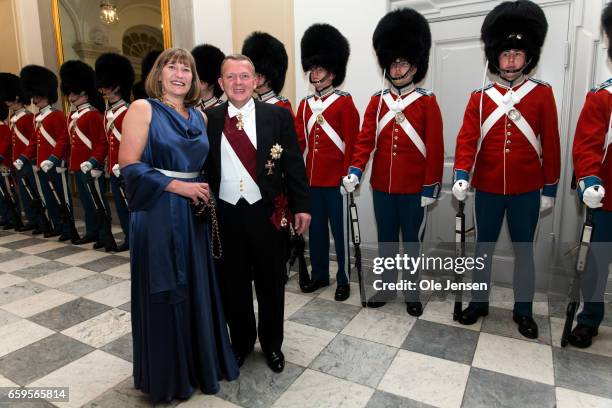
[[10, 255], [382, 399], [22, 243], [36, 271], [122, 347], [326, 315], [106, 263], [357, 360], [90, 284], [69, 314], [126, 306], [124, 395], [442, 341], [499, 321], [39, 359], [583, 372], [61, 252]]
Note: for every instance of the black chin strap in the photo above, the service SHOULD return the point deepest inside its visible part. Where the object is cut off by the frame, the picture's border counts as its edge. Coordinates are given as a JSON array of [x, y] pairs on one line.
[[319, 81], [503, 72]]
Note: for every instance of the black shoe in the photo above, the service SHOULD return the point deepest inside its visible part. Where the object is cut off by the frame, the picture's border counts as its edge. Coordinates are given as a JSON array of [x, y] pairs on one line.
[[3, 223], [471, 314], [342, 293], [98, 245], [110, 248], [526, 326], [64, 237], [8, 227], [373, 304], [53, 233], [582, 336], [123, 247], [276, 361], [414, 308], [27, 227], [36, 231], [314, 285], [240, 357], [85, 240]]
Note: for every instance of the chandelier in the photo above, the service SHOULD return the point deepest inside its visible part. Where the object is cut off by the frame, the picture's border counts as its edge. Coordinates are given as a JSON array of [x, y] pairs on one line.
[[108, 12]]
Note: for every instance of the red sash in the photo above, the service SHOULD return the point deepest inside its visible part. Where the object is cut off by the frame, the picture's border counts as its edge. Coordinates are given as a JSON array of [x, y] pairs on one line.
[[241, 144]]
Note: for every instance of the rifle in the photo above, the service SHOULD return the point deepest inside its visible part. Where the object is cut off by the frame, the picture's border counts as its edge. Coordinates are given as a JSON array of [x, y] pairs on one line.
[[65, 212], [38, 204], [6, 188], [356, 239], [459, 252], [581, 261], [298, 246], [102, 216]]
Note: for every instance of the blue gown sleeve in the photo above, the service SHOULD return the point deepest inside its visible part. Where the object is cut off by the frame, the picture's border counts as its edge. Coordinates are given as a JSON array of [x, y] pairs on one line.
[[144, 185]]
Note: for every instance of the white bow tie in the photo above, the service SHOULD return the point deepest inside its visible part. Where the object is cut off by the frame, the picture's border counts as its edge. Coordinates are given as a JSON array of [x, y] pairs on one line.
[[396, 106], [245, 111], [511, 98], [317, 105]]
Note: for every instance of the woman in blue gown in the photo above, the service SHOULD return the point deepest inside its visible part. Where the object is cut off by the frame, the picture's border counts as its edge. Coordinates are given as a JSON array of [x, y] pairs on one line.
[[180, 337]]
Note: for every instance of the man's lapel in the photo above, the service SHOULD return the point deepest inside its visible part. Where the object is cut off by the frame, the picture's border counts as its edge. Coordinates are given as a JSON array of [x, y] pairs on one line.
[[216, 134]]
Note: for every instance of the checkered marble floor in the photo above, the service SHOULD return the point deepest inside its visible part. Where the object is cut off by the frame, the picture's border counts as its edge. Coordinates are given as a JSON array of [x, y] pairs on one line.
[[65, 321]]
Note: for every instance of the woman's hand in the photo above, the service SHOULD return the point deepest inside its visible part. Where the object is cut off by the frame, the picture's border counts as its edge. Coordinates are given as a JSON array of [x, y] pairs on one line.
[[194, 191]]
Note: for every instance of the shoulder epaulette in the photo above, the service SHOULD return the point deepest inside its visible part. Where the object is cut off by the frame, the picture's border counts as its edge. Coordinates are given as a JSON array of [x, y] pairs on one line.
[[342, 93], [308, 97], [281, 98], [382, 92], [601, 86], [539, 81], [424, 91], [482, 89]]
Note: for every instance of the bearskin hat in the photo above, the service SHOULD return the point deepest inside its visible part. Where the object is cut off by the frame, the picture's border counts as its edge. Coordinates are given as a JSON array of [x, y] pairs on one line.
[[77, 77], [114, 70], [10, 88], [208, 59], [38, 81], [403, 33], [606, 25], [269, 56], [3, 111], [146, 65], [517, 24], [323, 45]]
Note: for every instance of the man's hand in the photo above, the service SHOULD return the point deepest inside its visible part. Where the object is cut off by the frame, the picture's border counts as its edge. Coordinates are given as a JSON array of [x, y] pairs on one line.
[[302, 222], [460, 189], [425, 201], [116, 170], [86, 167], [18, 164], [350, 182], [593, 195], [546, 202], [46, 165]]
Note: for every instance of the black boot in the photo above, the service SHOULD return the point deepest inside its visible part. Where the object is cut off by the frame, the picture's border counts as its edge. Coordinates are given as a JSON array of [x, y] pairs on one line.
[[582, 336]]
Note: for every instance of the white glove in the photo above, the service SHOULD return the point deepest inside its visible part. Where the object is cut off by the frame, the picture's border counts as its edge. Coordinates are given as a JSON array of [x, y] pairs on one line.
[[46, 165], [593, 195], [460, 189], [350, 182], [86, 167], [96, 173], [18, 164], [116, 171], [546, 202], [425, 201]]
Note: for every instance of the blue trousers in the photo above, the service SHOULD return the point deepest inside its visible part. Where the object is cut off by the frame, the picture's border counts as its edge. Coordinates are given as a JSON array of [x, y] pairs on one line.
[[326, 207], [122, 210], [91, 224], [24, 197], [523, 212], [397, 213], [596, 274], [52, 204]]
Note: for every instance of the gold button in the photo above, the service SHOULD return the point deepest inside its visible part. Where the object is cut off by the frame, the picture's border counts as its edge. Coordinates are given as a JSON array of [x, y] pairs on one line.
[[508, 141], [507, 150], [317, 136], [316, 143], [394, 153], [316, 150], [395, 146], [395, 138], [396, 130], [508, 133], [509, 125]]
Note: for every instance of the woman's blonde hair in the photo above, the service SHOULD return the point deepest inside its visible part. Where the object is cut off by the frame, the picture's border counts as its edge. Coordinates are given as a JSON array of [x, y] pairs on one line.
[[153, 83]]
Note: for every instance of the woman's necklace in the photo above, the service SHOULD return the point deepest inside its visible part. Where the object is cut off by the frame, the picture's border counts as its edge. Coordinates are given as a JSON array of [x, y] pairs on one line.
[[171, 105]]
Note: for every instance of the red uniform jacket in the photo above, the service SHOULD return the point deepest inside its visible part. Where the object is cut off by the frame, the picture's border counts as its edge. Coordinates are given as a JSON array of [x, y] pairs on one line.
[[87, 137], [507, 162], [5, 143], [113, 124], [401, 166], [326, 164], [50, 136], [22, 132], [278, 100], [592, 142]]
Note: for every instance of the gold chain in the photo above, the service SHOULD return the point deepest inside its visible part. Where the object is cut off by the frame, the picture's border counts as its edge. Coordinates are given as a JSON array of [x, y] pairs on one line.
[[216, 238], [168, 104]]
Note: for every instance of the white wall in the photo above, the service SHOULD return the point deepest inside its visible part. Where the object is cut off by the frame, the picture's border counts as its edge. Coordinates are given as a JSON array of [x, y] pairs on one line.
[[212, 23]]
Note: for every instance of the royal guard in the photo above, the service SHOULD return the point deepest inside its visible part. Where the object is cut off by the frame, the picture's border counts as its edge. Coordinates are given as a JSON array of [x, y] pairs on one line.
[[138, 90], [509, 143], [327, 123], [208, 59], [5, 152], [403, 126], [88, 144], [21, 123], [49, 147], [593, 167], [114, 80], [269, 56]]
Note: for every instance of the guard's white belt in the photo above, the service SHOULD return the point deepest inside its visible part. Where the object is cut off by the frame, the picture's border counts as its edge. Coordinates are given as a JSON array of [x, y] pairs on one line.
[[178, 174]]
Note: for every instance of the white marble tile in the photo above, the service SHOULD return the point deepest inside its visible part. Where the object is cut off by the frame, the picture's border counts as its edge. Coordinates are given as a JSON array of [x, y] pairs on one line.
[[114, 296], [87, 377], [82, 257], [206, 401], [354, 299], [315, 389], [20, 263], [380, 327], [294, 302], [115, 229], [42, 247], [38, 303], [302, 343], [503, 298], [574, 399], [57, 279], [442, 312], [125, 254], [7, 279], [102, 329], [13, 238], [427, 379], [6, 317], [5, 382], [121, 271], [602, 343], [523, 359], [20, 334]]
